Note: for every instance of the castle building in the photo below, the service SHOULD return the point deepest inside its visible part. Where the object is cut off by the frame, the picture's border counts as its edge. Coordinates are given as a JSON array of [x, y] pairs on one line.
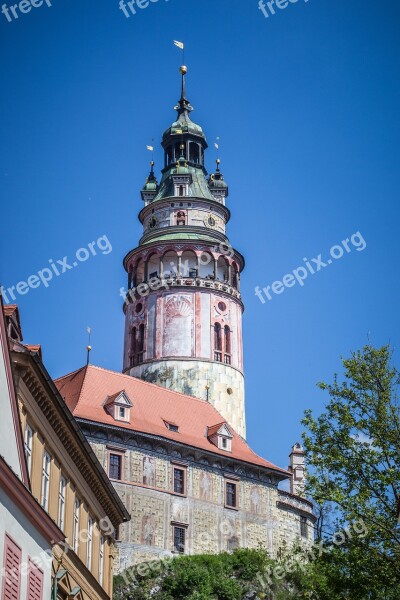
[[170, 429]]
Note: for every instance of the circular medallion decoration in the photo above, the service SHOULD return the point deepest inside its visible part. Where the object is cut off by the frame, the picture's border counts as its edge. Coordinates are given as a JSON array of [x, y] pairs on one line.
[[222, 306]]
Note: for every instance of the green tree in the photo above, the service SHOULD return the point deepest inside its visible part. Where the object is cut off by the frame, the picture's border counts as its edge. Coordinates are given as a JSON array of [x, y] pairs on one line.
[[353, 455]]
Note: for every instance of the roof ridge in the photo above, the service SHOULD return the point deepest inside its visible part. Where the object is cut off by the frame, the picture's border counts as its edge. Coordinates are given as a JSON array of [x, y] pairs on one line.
[[70, 374]]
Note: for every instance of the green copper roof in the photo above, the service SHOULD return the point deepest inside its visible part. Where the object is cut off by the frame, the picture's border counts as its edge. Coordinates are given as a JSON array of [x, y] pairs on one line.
[[197, 189]]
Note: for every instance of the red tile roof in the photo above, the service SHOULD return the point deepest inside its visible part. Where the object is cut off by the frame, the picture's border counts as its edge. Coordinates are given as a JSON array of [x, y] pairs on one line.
[[86, 389]]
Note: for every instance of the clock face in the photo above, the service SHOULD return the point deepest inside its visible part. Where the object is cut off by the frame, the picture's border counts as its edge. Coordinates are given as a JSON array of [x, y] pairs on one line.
[[210, 221]]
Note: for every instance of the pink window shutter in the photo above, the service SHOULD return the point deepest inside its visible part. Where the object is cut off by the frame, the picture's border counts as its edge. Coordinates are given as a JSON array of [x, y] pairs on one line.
[[12, 570], [35, 582]]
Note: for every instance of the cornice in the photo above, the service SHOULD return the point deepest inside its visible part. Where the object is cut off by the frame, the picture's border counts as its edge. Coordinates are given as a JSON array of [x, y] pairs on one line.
[[68, 432], [173, 451]]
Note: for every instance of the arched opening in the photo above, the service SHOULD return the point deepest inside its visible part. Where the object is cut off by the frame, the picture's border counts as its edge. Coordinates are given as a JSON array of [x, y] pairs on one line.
[[206, 270], [217, 342], [189, 264], [153, 266], [170, 264], [222, 269], [141, 343], [194, 153], [169, 156], [133, 347], [227, 335], [138, 273], [179, 151], [235, 276]]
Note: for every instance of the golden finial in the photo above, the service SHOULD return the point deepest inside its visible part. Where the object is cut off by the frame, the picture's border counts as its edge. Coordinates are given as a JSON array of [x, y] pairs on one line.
[[183, 69]]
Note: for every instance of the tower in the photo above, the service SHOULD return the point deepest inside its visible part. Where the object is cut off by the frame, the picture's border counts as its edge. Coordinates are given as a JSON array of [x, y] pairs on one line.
[[183, 309]]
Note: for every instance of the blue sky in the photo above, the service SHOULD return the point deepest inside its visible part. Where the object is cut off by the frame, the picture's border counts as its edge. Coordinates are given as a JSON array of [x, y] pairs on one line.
[[306, 106]]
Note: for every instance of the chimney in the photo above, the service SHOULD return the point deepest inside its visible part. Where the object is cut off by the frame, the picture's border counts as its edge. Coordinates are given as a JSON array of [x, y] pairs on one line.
[[297, 468]]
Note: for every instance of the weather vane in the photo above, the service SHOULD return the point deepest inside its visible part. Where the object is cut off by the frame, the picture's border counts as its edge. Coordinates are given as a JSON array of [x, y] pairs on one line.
[[88, 347]]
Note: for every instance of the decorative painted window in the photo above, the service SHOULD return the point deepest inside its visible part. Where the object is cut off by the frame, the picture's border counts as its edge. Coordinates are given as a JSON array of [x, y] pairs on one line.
[[89, 543], [101, 560], [179, 480], [12, 570], [115, 466], [303, 527], [231, 494], [35, 582], [46, 480], [77, 506], [61, 502], [28, 442], [179, 539]]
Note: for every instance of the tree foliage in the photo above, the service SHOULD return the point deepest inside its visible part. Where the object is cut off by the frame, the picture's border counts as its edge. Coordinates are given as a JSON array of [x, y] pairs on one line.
[[353, 454]]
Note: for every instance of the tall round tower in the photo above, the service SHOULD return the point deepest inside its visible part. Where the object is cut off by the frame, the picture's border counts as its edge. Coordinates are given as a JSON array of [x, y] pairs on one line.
[[183, 326]]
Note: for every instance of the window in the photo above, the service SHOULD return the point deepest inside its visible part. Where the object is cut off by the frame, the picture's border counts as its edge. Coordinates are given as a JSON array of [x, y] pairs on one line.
[[303, 527], [227, 339], [46, 480], [35, 582], [172, 426], [224, 443], [179, 539], [179, 480], [121, 412], [61, 502], [89, 543], [77, 505], [231, 494], [115, 467], [28, 442], [12, 570], [217, 342], [101, 560]]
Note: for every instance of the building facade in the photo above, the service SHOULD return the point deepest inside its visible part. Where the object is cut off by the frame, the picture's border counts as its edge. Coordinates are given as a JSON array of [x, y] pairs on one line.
[[27, 534], [67, 482]]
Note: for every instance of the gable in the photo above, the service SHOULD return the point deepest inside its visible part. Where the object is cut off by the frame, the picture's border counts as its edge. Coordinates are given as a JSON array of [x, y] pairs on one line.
[[11, 443]]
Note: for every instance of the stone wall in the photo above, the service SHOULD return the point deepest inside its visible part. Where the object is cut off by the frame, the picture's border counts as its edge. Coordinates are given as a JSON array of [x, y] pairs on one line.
[[264, 516]]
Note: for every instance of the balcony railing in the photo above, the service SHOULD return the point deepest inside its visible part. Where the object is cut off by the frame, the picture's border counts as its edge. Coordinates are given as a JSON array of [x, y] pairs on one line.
[[190, 281]]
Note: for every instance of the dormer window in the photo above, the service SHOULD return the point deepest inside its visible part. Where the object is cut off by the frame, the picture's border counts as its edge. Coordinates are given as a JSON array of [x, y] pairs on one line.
[[119, 406], [172, 426], [221, 436]]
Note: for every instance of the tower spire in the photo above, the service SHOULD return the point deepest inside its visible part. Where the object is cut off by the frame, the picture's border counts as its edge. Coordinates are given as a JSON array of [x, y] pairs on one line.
[[183, 107]]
